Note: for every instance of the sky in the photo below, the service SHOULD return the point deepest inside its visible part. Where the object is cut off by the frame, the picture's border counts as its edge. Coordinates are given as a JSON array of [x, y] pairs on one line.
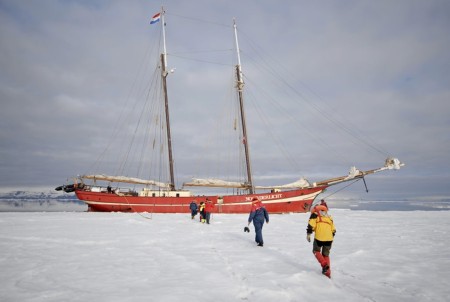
[[376, 256], [379, 68]]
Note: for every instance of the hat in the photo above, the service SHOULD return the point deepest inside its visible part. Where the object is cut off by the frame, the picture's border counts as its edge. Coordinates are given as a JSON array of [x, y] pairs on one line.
[[322, 202], [319, 208], [255, 200]]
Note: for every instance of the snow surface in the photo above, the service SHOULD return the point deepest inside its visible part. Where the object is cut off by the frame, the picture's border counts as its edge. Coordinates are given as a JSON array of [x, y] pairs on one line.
[[80, 256]]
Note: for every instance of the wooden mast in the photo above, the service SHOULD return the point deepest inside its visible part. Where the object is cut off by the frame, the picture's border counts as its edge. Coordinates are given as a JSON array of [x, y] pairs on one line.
[[240, 88], [164, 74]]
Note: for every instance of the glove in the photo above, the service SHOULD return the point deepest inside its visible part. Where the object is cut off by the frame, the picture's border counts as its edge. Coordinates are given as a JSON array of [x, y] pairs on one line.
[[308, 237], [246, 229]]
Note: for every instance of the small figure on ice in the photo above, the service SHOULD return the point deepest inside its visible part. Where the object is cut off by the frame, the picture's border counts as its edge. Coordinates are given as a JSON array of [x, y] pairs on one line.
[[258, 214], [321, 223], [193, 207], [209, 207], [201, 210]]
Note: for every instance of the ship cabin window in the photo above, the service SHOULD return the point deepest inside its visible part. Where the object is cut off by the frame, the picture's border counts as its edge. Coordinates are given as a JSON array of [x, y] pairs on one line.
[[178, 194], [153, 195]]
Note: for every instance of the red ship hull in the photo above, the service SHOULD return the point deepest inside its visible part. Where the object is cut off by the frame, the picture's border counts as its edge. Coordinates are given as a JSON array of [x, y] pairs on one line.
[[295, 201]]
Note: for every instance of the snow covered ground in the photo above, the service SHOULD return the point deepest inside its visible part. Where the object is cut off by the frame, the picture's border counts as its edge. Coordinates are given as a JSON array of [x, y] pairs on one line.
[[79, 256]]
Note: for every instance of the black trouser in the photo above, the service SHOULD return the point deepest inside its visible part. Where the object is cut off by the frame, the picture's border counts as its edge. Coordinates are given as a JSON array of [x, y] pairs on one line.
[[322, 246]]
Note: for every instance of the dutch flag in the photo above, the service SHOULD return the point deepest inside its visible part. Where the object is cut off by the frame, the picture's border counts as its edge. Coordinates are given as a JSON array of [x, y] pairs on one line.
[[155, 18]]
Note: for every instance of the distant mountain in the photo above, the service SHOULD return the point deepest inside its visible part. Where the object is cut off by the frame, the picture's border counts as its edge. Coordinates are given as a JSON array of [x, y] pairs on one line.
[[35, 194], [47, 201]]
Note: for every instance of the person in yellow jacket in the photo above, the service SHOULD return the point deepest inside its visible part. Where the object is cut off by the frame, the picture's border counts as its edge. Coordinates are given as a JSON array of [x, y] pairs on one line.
[[321, 223], [201, 210]]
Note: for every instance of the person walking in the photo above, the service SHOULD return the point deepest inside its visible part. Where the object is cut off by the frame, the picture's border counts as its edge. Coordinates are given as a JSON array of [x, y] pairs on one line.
[[193, 207], [258, 214], [321, 223], [209, 207], [202, 212]]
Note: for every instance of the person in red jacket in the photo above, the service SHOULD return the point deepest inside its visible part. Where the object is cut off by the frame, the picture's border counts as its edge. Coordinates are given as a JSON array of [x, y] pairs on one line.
[[209, 207]]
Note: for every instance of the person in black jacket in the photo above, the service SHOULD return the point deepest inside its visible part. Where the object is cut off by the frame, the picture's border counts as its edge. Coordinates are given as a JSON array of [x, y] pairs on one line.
[[258, 214]]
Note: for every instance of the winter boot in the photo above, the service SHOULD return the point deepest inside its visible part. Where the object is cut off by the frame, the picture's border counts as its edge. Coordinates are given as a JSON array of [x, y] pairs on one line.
[[326, 270]]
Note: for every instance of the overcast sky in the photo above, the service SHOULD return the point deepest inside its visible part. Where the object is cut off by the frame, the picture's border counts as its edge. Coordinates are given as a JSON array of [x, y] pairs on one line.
[[381, 67]]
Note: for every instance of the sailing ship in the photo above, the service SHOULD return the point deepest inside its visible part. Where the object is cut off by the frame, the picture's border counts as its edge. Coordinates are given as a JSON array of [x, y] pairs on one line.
[[154, 196]]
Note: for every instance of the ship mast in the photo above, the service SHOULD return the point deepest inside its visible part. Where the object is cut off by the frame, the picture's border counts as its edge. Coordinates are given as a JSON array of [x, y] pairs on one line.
[[164, 74], [240, 89]]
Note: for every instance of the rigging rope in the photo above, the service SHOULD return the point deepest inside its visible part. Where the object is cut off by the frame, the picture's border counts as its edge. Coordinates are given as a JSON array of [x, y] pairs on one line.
[[199, 60], [198, 20], [345, 187], [265, 66], [314, 105], [151, 213], [124, 119]]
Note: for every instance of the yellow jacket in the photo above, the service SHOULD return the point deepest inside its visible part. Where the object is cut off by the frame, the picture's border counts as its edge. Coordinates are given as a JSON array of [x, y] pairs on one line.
[[322, 225]]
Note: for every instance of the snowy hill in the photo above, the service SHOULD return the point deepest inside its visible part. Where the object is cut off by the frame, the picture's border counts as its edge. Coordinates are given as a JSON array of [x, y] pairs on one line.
[[39, 200]]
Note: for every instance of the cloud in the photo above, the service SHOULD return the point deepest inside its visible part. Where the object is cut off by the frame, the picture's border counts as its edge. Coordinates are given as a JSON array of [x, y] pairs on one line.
[[365, 80]]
